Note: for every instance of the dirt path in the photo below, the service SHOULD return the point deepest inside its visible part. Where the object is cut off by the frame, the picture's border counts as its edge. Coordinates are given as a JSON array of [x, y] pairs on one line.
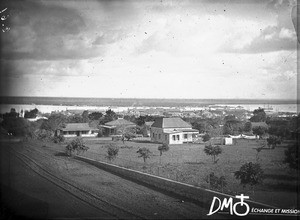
[[39, 182]]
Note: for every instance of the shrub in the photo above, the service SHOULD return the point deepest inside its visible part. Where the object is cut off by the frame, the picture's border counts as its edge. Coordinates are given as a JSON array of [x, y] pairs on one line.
[[206, 137], [76, 145], [112, 152], [44, 135], [250, 174], [292, 156], [58, 139], [216, 182], [273, 141]]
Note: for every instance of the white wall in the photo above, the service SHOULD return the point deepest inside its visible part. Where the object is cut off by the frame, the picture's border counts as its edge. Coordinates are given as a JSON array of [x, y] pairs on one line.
[[160, 135], [178, 138], [89, 134]]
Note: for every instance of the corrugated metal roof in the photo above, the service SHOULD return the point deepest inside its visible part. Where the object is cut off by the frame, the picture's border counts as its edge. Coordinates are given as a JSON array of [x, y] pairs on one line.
[[170, 123], [78, 127], [119, 122]]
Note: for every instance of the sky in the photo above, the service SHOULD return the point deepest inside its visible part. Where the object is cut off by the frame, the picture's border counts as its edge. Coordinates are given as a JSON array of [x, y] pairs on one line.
[[185, 49]]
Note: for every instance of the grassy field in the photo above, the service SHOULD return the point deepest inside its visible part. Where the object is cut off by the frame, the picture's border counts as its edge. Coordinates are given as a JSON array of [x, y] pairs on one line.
[[189, 164]]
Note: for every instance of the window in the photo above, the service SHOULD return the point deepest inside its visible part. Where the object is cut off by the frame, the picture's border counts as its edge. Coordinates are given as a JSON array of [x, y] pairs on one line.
[[185, 136], [177, 137], [166, 137], [65, 132], [153, 134], [159, 136], [174, 137], [84, 132]]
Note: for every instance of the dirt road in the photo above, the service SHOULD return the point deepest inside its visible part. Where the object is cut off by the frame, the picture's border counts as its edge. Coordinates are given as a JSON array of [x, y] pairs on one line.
[[36, 181]]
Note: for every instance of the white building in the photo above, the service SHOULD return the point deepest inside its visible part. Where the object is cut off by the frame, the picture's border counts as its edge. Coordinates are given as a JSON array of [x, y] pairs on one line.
[[78, 129], [172, 131]]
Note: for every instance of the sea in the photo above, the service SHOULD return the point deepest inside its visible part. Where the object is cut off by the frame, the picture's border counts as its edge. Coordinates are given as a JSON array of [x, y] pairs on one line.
[[50, 104]]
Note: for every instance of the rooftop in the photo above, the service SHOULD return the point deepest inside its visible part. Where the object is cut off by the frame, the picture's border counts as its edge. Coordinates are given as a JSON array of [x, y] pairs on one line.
[[170, 123], [78, 127]]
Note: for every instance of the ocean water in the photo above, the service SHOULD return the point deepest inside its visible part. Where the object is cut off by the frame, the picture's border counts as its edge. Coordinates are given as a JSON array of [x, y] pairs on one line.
[[49, 104]]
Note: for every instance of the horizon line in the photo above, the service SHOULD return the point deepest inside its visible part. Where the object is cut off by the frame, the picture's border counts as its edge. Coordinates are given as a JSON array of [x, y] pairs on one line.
[[258, 99]]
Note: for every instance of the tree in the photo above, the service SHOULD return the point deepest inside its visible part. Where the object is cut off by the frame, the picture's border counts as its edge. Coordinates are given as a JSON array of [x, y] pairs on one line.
[[258, 150], [110, 115], [163, 148], [128, 133], [292, 156], [58, 138], [232, 125], [11, 114], [55, 121], [259, 115], [145, 153], [273, 141], [248, 127], [31, 114], [85, 116], [206, 137], [250, 174], [76, 145], [199, 125], [18, 127], [213, 151], [95, 116], [112, 152], [44, 135], [259, 131]]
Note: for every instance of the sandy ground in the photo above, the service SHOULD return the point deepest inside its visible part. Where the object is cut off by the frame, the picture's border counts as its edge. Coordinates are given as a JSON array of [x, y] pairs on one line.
[[37, 181]]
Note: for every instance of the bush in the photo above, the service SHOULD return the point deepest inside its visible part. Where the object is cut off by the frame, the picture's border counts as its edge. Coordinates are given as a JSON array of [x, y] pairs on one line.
[[112, 152], [273, 141], [250, 173], [292, 156], [216, 182], [58, 139], [44, 135], [206, 137], [18, 127], [76, 145]]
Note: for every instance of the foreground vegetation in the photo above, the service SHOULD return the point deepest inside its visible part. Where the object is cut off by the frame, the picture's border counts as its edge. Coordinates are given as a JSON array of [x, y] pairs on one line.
[[189, 163], [265, 169]]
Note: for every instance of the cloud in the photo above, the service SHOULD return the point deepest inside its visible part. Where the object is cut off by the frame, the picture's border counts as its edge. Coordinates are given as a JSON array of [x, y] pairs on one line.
[[272, 39], [45, 32], [110, 36], [280, 36]]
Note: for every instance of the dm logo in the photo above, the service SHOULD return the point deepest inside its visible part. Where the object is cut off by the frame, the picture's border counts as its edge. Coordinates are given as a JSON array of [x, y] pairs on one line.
[[228, 203]]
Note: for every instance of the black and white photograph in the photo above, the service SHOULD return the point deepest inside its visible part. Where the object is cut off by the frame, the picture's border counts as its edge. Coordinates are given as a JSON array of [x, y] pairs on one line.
[[149, 109]]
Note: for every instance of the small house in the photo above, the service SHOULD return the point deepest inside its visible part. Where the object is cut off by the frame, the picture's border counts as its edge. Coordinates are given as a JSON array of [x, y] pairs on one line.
[[77, 129], [117, 126]]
